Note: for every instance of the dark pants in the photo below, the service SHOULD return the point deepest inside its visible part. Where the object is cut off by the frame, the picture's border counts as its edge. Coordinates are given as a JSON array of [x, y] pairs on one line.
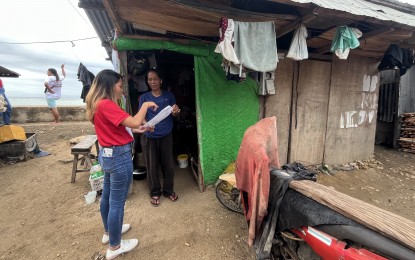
[[159, 151]]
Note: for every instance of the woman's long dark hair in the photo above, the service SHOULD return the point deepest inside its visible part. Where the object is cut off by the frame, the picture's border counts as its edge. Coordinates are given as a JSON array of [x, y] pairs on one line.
[[102, 88], [54, 72]]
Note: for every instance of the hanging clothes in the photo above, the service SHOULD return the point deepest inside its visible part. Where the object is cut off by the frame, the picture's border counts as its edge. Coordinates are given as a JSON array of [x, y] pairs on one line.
[[256, 45], [346, 38], [253, 171], [86, 77], [226, 39], [298, 48], [396, 57]]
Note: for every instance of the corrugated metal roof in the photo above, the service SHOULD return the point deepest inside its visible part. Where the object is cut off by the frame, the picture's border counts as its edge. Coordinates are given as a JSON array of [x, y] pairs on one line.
[[8, 73], [364, 8], [100, 21]]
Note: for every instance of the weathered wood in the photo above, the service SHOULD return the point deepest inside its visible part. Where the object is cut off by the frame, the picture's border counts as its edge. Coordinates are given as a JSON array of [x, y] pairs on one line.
[[109, 7], [309, 112], [85, 144], [407, 150], [364, 37], [352, 110], [279, 105], [391, 225], [305, 19], [83, 148], [407, 140]]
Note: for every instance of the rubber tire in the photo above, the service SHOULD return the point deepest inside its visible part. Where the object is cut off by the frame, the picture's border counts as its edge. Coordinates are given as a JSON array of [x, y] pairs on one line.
[[225, 198]]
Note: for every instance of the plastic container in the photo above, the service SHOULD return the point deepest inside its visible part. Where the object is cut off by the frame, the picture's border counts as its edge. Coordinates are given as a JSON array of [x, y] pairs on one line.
[[96, 184], [95, 171], [182, 160], [90, 197]]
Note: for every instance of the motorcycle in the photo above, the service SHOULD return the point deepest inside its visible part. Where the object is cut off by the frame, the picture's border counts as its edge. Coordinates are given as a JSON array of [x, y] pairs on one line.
[[308, 230]]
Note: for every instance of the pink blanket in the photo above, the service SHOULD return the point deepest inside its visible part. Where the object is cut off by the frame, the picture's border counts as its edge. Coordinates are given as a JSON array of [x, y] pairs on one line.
[[258, 151]]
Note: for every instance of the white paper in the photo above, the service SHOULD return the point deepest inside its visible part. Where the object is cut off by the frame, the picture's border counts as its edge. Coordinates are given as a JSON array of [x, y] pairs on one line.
[[159, 117]]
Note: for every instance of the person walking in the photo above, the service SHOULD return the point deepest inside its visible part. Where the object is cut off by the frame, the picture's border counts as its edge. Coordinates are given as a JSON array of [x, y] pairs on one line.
[[6, 115], [115, 156], [157, 145], [53, 86]]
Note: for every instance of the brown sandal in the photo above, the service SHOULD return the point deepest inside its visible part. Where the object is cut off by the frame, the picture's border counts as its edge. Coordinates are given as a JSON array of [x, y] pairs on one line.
[[155, 201], [173, 197]]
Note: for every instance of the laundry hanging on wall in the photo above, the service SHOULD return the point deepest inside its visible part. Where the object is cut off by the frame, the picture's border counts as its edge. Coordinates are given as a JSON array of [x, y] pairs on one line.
[[226, 40], [246, 47], [346, 38], [397, 58], [86, 77], [256, 45], [298, 48]]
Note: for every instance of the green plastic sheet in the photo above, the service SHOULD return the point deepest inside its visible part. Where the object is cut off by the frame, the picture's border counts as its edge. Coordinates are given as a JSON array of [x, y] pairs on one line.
[[225, 109]]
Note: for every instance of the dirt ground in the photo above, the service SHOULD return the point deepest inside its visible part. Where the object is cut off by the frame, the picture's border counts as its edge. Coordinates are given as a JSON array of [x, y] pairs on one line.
[[44, 215]]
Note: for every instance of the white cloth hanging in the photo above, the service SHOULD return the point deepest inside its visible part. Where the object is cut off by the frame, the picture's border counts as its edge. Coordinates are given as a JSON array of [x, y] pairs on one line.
[[298, 48], [225, 46]]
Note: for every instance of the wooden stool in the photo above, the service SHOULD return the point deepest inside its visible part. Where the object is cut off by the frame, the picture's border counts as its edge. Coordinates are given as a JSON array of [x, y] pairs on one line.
[[83, 148]]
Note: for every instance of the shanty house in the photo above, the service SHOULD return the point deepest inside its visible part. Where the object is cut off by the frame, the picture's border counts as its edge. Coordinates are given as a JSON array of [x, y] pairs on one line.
[[326, 107]]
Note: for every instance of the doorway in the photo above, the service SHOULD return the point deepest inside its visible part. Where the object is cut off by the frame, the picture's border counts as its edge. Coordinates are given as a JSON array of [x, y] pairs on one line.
[[178, 77]]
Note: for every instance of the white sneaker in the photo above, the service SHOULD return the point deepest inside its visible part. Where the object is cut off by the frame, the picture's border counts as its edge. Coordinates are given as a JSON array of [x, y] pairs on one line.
[[125, 246], [106, 238]]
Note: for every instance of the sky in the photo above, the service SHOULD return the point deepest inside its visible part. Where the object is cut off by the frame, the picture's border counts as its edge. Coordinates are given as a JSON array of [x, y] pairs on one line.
[[28, 21]]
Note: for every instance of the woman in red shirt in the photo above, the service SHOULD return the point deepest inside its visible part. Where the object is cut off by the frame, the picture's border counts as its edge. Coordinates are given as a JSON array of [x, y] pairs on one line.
[[115, 157]]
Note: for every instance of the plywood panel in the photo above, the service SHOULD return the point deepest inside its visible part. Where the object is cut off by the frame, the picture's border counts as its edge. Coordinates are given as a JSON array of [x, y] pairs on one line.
[[407, 92], [309, 115], [352, 112], [279, 105]]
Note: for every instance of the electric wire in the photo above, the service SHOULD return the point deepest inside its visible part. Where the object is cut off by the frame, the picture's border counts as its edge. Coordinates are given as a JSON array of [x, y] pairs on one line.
[[58, 41], [284, 234], [77, 12]]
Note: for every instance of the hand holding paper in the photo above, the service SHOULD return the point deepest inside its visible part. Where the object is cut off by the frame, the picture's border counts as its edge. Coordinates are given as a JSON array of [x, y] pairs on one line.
[[159, 117]]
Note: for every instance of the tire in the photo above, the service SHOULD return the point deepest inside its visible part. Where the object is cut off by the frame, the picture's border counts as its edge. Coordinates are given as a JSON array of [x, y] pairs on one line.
[[229, 196]]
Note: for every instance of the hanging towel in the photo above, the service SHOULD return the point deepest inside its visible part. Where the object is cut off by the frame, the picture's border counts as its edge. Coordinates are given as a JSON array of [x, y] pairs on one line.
[[298, 48], [346, 38], [86, 77], [256, 45], [225, 45]]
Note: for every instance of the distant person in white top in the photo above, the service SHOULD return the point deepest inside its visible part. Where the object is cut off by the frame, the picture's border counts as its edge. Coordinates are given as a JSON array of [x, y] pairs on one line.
[[53, 84]]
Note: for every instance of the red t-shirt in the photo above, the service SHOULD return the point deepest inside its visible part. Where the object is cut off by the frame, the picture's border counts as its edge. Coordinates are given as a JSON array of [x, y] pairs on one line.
[[107, 121]]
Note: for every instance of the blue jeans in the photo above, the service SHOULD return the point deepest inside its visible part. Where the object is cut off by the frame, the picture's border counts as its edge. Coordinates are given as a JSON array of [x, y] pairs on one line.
[[118, 170], [7, 114]]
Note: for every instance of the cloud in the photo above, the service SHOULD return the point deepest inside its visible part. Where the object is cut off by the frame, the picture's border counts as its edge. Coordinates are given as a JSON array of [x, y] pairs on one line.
[[47, 21]]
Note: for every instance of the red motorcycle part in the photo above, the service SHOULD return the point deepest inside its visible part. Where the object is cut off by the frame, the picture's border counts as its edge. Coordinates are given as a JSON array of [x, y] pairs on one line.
[[329, 248]]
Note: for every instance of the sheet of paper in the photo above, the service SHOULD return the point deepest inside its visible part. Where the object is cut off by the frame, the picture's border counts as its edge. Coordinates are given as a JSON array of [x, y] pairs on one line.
[[160, 116]]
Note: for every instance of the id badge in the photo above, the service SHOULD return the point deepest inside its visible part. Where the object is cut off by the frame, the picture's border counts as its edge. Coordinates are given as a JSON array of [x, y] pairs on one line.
[[107, 152]]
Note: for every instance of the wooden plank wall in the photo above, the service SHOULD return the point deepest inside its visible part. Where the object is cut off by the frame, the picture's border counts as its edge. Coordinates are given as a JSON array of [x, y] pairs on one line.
[[407, 92], [279, 105], [353, 103], [309, 112]]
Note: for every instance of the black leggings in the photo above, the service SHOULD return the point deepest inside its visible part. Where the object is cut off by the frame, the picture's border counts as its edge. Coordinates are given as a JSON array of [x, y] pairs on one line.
[[159, 151]]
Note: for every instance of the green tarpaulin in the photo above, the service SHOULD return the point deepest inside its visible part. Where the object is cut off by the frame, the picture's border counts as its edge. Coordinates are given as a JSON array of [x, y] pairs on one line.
[[225, 109]]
